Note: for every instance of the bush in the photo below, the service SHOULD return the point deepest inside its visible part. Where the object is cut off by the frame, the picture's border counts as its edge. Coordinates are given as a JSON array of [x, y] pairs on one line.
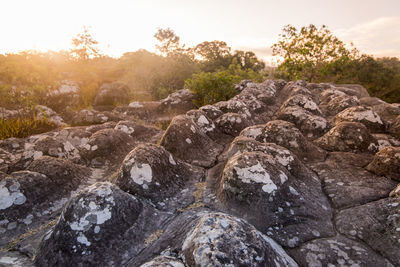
[[211, 87], [24, 126]]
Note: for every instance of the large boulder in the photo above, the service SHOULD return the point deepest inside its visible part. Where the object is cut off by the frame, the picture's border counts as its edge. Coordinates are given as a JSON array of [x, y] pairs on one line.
[[178, 102], [395, 127], [352, 89], [222, 240], [364, 115], [66, 95], [107, 146], [259, 188], [387, 162], [348, 137], [185, 140], [333, 101], [102, 225], [286, 134], [232, 123], [111, 94], [152, 172], [376, 224], [139, 131]]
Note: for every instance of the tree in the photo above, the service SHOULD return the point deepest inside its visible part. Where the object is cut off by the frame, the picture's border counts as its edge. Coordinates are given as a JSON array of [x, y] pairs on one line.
[[84, 46], [169, 42], [213, 55], [309, 53], [248, 60]]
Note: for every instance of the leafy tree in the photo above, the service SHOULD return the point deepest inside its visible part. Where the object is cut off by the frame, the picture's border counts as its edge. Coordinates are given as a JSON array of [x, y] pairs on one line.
[[248, 60], [310, 52], [85, 46], [169, 42], [211, 87]]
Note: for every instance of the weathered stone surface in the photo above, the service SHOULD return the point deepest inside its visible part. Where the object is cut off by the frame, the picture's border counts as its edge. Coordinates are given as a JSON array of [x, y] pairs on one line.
[[348, 185], [334, 101], [387, 162], [43, 112], [204, 123], [66, 95], [88, 117], [348, 137], [221, 240], [259, 188], [312, 126], [376, 223], [286, 134], [371, 101], [152, 172], [337, 251], [211, 111], [232, 123], [388, 112], [111, 94], [364, 115], [178, 102], [352, 89], [62, 173], [94, 128], [102, 225], [302, 101], [139, 131], [395, 127], [185, 140], [164, 261], [140, 110], [106, 145]]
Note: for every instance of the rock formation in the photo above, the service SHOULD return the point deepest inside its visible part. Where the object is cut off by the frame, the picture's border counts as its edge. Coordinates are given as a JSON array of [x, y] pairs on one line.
[[282, 174]]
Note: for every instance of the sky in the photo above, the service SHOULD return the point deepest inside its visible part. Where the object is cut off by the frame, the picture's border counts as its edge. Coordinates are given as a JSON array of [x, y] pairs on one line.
[[128, 25]]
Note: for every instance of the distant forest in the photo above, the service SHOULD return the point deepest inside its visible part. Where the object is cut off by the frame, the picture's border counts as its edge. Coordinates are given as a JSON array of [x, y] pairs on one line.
[[310, 53]]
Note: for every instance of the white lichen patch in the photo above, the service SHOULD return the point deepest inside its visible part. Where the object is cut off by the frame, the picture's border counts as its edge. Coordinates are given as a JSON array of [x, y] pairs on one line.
[[135, 104], [141, 173], [188, 141], [358, 114], [10, 196], [256, 174], [171, 159]]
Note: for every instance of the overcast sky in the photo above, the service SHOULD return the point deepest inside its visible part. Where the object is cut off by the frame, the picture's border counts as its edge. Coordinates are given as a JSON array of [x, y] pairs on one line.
[[121, 26]]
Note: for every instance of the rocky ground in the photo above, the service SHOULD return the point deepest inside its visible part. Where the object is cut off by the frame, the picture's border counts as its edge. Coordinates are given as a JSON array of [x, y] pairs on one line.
[[283, 174]]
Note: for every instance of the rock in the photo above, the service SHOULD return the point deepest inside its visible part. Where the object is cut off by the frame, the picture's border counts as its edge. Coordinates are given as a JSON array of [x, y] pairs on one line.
[[90, 117], [376, 224], [371, 101], [67, 175], [107, 145], [43, 112], [139, 132], [51, 146], [395, 192], [285, 134], [334, 101], [102, 225], [234, 106], [261, 190], [386, 162], [232, 123], [364, 115], [140, 110], [280, 155], [388, 112], [28, 199], [219, 239], [395, 128], [342, 181], [312, 126], [337, 250], [185, 140], [206, 124], [178, 102], [6, 159], [304, 102], [164, 261], [151, 172], [211, 111], [111, 94], [352, 89], [66, 95], [107, 125], [348, 137]]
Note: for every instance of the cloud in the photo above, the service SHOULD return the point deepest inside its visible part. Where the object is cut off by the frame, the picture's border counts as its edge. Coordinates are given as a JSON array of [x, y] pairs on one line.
[[379, 37]]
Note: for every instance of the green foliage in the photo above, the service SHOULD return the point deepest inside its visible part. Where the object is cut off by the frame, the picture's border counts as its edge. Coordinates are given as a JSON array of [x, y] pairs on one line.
[[211, 87], [310, 53], [24, 126]]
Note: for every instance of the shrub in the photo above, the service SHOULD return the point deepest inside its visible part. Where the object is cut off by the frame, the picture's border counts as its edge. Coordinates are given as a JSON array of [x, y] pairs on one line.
[[24, 126], [211, 87]]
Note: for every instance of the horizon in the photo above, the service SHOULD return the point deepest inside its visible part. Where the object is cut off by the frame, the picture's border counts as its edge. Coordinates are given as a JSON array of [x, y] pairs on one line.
[[127, 26]]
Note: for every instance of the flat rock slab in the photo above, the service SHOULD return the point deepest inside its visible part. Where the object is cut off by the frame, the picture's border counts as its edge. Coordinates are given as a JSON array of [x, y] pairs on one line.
[[337, 251], [377, 224], [348, 185]]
